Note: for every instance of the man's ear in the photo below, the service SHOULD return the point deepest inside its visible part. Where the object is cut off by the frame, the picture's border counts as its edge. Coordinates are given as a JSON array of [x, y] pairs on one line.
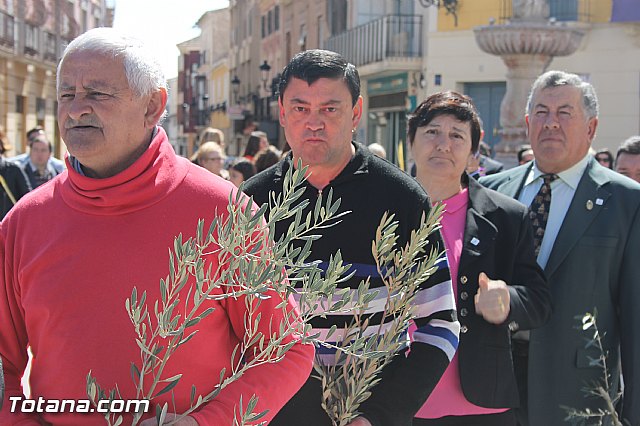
[[592, 126], [281, 111], [357, 112], [155, 107]]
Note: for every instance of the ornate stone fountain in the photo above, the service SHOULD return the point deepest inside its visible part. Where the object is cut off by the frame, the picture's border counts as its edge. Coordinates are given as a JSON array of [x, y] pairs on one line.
[[526, 44]]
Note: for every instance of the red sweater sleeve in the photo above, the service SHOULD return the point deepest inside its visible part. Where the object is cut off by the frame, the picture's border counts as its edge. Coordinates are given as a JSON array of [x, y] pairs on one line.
[[273, 383], [13, 345]]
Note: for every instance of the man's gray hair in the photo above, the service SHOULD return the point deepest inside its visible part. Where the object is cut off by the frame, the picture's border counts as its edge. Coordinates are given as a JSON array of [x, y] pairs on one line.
[[142, 70], [561, 78]]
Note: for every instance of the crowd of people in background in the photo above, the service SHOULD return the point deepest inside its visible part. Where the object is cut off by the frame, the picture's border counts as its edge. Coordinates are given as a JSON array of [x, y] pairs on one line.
[[38, 165], [259, 154]]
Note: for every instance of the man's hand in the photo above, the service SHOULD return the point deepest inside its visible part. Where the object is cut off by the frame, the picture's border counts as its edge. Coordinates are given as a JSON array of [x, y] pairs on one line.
[[492, 299], [359, 421], [185, 421]]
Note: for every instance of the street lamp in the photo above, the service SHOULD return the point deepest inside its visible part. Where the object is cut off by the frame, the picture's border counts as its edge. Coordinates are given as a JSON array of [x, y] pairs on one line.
[[264, 73], [235, 87]]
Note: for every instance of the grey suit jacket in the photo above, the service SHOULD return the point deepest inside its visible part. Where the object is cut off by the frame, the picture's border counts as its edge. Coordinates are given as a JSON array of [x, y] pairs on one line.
[[594, 267]]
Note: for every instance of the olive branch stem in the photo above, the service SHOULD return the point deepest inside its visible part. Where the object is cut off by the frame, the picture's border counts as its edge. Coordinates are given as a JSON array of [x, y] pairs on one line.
[[599, 389], [252, 265]]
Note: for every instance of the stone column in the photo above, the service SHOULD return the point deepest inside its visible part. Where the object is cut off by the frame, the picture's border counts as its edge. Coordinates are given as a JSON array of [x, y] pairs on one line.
[[522, 71]]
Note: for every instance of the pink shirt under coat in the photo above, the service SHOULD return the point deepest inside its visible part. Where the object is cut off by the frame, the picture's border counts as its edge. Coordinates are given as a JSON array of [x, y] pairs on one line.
[[447, 398]]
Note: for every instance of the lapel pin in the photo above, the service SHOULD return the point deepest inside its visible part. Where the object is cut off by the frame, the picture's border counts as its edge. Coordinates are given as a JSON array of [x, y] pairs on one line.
[[599, 201], [475, 241], [589, 205]]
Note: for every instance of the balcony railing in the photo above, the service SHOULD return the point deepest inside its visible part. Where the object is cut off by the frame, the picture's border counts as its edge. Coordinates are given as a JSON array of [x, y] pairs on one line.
[[394, 36], [559, 10]]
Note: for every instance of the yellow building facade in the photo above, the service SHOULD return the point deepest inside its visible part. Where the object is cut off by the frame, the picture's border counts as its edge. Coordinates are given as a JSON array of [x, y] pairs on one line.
[[608, 57]]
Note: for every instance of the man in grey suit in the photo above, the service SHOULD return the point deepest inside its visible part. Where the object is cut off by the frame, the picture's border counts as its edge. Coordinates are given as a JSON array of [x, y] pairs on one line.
[[589, 252]]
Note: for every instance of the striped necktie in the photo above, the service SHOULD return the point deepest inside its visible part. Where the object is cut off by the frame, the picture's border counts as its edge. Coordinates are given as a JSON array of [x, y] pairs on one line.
[[539, 210]]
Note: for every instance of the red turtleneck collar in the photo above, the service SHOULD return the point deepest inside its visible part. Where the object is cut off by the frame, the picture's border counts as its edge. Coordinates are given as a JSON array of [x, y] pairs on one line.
[[151, 178]]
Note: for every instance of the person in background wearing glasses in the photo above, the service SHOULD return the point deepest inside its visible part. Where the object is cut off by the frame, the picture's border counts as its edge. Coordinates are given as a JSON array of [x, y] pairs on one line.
[[605, 158], [211, 156]]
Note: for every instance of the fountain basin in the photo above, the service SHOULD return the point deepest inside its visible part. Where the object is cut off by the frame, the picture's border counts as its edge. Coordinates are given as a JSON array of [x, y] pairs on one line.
[[528, 38]]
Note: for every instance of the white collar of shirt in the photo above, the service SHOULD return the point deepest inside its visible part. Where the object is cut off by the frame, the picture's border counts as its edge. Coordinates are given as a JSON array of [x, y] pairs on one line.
[[571, 176], [32, 167]]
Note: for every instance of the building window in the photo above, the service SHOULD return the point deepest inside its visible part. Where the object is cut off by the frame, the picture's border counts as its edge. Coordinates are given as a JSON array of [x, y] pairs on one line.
[[564, 10], [31, 39], [269, 22], [49, 47], [41, 108], [276, 18], [287, 45], [6, 29], [320, 29], [302, 40], [337, 16], [20, 104], [85, 20], [66, 24], [264, 26]]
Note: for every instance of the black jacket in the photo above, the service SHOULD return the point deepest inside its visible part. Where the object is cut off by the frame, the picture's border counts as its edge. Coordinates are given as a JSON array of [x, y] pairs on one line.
[[367, 187], [498, 240], [17, 182]]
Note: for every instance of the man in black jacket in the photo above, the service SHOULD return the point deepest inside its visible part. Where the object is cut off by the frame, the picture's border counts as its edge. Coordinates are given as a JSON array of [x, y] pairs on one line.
[[320, 108]]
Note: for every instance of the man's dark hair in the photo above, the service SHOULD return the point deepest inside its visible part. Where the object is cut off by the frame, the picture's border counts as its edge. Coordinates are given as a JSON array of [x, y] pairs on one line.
[[523, 148], [312, 65], [32, 133], [630, 146], [245, 167], [446, 103], [253, 146], [42, 139]]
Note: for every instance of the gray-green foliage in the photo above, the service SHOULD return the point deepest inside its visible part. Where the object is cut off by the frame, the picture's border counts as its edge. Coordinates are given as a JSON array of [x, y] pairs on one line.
[[365, 350], [250, 266], [599, 389]]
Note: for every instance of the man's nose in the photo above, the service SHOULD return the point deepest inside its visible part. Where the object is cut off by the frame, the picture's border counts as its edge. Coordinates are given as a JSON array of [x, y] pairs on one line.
[[78, 107], [551, 121], [315, 121]]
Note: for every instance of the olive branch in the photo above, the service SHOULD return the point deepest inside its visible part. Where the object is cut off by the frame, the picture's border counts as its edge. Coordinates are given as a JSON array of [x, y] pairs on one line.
[[366, 350], [251, 265], [599, 389]]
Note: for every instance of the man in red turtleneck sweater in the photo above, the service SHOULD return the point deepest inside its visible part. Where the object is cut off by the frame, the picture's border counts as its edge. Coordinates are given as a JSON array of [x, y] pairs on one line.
[[74, 248]]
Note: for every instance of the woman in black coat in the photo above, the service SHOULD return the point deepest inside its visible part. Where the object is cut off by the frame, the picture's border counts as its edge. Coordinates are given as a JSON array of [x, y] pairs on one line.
[[499, 287]]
